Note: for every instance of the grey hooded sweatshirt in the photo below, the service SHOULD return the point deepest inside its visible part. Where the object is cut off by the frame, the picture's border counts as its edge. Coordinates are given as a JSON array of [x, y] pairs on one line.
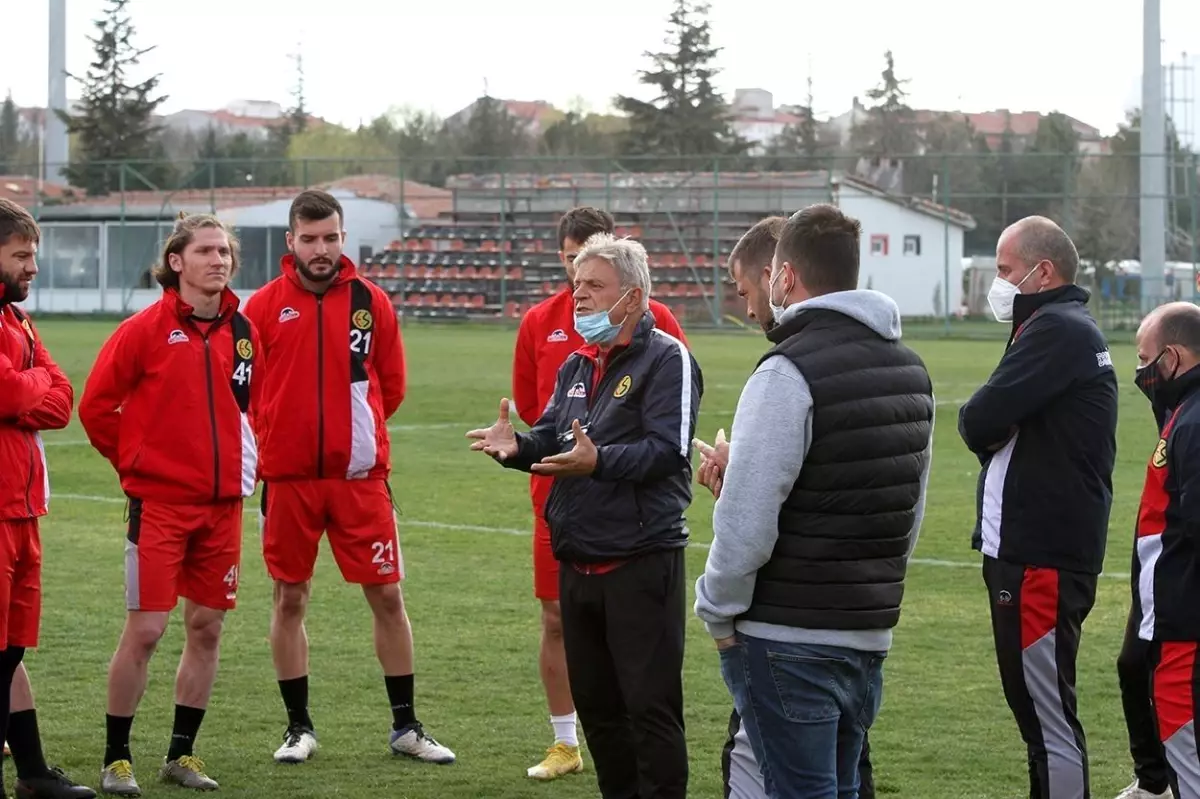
[[772, 431]]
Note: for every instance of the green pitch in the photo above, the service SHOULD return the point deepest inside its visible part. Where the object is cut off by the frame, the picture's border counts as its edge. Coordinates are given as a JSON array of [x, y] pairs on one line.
[[944, 730]]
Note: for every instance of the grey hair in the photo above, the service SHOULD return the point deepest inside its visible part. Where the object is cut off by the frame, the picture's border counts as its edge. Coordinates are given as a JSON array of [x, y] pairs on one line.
[[627, 256]]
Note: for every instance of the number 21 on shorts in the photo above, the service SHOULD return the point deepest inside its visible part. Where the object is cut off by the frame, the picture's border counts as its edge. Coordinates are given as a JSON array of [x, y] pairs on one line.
[[383, 555]]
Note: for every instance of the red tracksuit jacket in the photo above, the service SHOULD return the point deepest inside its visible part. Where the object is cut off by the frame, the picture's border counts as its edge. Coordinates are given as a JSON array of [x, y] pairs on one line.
[[546, 338], [333, 368], [34, 395], [168, 403]]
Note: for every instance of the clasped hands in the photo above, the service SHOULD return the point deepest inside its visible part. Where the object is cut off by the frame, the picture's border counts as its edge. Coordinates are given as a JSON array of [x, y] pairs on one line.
[[500, 442]]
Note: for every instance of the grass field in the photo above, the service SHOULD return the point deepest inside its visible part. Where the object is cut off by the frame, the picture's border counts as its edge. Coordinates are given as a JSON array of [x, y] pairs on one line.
[[944, 730]]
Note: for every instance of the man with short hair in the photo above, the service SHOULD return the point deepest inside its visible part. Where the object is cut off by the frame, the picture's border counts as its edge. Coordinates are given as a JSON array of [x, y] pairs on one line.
[[35, 395], [749, 268], [616, 437], [333, 373], [168, 404], [1044, 429], [1166, 585], [545, 339], [817, 512]]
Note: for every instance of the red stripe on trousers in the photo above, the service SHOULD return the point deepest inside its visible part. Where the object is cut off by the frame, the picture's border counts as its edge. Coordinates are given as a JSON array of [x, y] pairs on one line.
[[1039, 604], [1173, 701]]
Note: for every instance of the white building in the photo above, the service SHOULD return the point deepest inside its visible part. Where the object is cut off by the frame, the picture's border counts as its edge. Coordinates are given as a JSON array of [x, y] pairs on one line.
[[755, 118], [912, 249]]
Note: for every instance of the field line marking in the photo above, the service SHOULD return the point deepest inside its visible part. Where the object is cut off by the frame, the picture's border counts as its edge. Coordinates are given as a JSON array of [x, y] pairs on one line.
[[394, 428], [403, 428], [476, 528]]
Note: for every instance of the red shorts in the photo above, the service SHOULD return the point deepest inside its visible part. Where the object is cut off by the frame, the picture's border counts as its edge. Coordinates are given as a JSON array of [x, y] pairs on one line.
[[20, 583], [545, 567], [358, 515], [189, 551]]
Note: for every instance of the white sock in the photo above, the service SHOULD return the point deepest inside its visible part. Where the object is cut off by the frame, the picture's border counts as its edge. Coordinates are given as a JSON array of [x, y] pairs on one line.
[[564, 729]]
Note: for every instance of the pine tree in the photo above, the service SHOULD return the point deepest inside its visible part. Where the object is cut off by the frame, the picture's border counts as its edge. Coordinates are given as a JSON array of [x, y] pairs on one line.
[[116, 118], [688, 117], [279, 171], [799, 145], [889, 130], [490, 136], [10, 137]]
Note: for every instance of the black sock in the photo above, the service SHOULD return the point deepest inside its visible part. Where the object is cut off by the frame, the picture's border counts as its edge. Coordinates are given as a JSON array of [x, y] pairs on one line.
[[116, 745], [25, 741], [400, 694], [295, 700], [183, 735], [10, 659]]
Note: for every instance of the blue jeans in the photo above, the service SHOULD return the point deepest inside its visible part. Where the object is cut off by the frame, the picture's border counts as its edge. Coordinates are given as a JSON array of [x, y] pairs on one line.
[[806, 709]]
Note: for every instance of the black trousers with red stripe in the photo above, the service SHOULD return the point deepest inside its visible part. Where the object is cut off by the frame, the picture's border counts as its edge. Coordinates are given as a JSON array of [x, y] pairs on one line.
[[1135, 669], [1037, 621], [1176, 691]]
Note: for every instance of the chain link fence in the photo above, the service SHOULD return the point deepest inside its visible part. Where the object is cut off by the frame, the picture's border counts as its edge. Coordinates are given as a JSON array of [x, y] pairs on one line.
[[475, 238]]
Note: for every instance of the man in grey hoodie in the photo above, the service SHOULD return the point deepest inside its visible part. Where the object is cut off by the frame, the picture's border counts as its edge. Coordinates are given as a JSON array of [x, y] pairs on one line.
[[806, 572]]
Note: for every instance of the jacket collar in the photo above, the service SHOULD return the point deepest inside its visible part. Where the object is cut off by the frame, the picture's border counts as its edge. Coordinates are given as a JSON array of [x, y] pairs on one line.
[[229, 303], [347, 271], [1026, 305], [1186, 385], [641, 332]]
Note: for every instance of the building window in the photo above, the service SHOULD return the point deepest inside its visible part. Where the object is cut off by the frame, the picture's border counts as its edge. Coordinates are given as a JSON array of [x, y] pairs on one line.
[[879, 244], [912, 245]]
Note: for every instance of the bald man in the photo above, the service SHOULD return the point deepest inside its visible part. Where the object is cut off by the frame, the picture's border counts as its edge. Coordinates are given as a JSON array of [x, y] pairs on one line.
[[1044, 429], [1166, 578]]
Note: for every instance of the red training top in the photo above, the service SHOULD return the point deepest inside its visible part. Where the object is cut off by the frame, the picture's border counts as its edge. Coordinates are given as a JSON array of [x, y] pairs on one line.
[[34, 395], [169, 400], [333, 367]]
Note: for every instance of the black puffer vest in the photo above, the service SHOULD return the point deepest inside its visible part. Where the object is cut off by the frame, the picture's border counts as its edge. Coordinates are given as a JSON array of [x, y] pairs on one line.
[[844, 529]]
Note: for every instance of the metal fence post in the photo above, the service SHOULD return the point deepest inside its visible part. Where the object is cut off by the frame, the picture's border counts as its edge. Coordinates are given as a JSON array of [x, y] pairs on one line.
[[945, 199], [716, 261], [503, 235]]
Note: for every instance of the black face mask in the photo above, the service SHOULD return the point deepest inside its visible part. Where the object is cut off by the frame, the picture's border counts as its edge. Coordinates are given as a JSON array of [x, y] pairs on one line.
[[1159, 390]]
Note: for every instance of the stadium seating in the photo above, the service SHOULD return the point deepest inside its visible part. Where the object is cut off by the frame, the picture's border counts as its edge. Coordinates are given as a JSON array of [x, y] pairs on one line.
[[480, 263]]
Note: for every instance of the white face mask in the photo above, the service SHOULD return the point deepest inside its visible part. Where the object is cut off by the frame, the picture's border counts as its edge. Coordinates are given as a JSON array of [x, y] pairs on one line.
[[776, 310], [1002, 294]]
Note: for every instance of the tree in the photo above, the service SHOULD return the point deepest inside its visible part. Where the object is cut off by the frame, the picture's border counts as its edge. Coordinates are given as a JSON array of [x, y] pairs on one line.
[[576, 138], [10, 136], [331, 152], [116, 118], [889, 130], [490, 136], [688, 117], [278, 171], [1047, 171], [800, 145]]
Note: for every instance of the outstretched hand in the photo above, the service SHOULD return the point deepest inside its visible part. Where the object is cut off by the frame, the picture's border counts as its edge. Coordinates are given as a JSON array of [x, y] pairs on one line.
[[713, 461], [499, 440], [579, 461]]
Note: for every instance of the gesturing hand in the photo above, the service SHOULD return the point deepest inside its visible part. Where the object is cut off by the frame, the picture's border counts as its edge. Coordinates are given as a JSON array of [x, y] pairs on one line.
[[713, 460], [499, 440], [580, 461]]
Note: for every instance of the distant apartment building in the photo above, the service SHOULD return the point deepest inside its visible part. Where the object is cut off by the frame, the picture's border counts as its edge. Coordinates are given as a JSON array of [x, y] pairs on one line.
[[252, 117], [992, 125]]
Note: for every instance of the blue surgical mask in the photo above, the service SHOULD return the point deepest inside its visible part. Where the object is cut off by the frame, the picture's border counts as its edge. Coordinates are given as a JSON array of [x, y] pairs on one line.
[[597, 328]]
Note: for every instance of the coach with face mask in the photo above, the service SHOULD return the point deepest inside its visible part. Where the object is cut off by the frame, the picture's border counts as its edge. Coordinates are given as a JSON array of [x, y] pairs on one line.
[[616, 436], [1044, 429]]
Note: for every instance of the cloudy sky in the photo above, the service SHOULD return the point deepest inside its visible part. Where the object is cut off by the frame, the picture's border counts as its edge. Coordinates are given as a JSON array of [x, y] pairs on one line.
[[362, 57]]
